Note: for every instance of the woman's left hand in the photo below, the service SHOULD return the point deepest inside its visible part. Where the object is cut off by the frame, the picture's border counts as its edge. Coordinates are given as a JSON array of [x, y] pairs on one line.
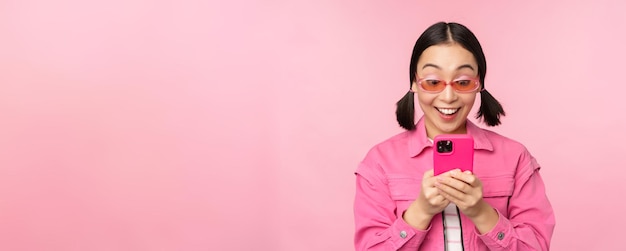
[[463, 189]]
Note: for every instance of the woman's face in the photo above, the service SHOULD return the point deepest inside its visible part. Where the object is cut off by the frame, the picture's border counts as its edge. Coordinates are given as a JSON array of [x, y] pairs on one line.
[[445, 112]]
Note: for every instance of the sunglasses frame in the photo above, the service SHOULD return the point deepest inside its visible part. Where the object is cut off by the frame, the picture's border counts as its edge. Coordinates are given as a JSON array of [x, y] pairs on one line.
[[451, 83]]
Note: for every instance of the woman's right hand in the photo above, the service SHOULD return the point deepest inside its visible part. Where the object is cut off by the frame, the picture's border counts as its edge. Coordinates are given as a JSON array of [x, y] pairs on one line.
[[429, 203]]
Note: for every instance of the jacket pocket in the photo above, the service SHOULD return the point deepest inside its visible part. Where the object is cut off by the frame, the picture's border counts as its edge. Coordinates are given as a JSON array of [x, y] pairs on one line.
[[403, 191], [497, 191]]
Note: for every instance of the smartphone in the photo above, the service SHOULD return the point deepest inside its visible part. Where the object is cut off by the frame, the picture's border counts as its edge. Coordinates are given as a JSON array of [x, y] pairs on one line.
[[453, 151]]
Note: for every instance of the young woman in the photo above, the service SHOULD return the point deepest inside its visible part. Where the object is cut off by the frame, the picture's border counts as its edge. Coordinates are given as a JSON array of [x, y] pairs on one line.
[[401, 205]]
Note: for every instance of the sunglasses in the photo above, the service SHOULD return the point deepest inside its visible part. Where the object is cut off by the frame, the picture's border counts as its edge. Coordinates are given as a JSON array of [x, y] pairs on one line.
[[463, 84]]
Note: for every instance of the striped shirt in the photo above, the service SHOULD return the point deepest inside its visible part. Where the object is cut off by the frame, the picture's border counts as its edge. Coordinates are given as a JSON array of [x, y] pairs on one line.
[[452, 228]]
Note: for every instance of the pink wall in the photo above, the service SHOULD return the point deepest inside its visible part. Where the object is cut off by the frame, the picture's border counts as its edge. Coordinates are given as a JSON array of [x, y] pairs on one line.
[[186, 125]]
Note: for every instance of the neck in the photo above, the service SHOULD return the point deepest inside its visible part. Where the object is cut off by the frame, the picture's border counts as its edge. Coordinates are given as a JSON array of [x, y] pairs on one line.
[[432, 131]]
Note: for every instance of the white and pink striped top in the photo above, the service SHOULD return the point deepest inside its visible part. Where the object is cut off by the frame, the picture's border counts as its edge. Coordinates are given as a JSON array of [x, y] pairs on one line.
[[452, 228]]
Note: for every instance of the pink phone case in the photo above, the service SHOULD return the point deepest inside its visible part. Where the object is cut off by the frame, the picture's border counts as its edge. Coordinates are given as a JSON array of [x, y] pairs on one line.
[[460, 155]]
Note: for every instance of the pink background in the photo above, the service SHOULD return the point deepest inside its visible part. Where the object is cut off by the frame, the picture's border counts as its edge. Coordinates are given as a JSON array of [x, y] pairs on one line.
[[237, 125]]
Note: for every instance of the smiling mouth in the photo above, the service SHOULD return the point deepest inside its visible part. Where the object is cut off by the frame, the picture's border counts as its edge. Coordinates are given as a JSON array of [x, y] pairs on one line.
[[448, 111]]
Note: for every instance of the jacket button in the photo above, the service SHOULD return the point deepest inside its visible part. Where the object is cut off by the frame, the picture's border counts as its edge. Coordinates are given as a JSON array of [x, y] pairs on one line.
[[402, 234], [500, 235]]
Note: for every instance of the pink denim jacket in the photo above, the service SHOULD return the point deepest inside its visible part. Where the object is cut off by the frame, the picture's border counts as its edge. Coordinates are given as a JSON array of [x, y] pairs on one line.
[[389, 178]]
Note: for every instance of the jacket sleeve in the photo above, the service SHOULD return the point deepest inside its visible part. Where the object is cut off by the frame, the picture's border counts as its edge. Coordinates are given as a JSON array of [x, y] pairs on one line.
[[531, 219], [377, 227]]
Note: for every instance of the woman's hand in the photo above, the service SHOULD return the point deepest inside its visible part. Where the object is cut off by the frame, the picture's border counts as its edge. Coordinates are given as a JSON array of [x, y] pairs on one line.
[[461, 188], [429, 203], [466, 191]]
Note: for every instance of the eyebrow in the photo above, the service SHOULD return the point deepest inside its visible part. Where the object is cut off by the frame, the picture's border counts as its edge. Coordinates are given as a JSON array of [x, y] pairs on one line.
[[458, 68]]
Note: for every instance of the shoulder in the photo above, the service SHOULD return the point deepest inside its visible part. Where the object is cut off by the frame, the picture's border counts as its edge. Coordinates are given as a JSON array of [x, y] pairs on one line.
[[392, 148], [501, 142], [512, 150]]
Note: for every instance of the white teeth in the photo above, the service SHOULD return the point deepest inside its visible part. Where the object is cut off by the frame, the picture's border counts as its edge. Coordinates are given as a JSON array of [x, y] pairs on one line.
[[447, 111]]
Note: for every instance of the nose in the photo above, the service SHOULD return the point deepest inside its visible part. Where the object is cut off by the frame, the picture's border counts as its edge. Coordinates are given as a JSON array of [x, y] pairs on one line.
[[448, 94]]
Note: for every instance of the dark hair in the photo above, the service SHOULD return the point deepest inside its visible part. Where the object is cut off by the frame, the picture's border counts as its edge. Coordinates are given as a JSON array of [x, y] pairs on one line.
[[441, 33]]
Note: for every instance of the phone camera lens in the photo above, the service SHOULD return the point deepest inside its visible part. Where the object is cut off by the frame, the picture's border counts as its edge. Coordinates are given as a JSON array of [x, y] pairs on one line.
[[444, 146]]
